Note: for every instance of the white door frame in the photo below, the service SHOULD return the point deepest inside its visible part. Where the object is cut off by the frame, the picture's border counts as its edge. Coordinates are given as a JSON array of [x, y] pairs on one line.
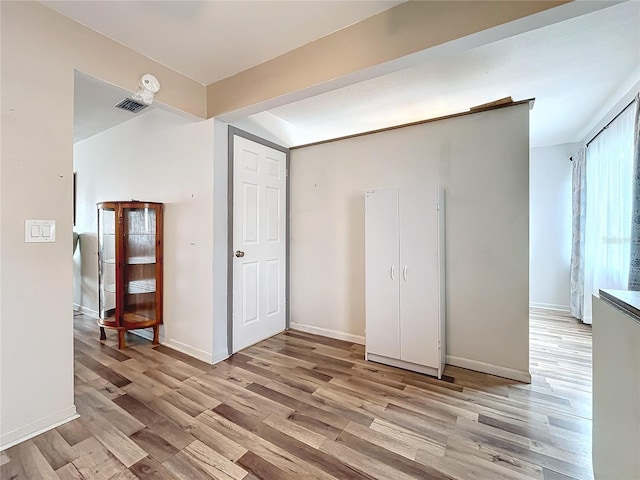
[[233, 132]]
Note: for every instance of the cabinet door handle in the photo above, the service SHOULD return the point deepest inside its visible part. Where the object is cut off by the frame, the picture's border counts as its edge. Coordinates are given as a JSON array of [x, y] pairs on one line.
[[393, 272], [404, 273]]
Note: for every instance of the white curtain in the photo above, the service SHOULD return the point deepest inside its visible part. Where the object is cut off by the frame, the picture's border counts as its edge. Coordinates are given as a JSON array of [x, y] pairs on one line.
[[609, 166], [634, 266], [578, 204]]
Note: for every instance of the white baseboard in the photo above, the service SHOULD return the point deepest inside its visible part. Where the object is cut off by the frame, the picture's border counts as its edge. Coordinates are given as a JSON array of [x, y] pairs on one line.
[[394, 362], [33, 429], [550, 306], [176, 345], [325, 332], [510, 373], [85, 310]]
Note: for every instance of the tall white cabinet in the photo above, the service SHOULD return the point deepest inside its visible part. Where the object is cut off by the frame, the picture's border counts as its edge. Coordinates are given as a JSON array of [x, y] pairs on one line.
[[404, 258]]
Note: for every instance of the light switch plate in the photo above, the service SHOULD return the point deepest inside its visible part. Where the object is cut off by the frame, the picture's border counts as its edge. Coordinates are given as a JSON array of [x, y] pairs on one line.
[[40, 231]]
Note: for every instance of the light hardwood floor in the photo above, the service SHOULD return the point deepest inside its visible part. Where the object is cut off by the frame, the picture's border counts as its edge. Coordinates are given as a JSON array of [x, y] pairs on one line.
[[299, 406]]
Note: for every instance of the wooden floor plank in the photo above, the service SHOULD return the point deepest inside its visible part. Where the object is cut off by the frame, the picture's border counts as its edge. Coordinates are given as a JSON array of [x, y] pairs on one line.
[[110, 410], [157, 423], [55, 449], [105, 372], [30, 462], [150, 469], [69, 472], [213, 463], [260, 468], [388, 457], [183, 465], [157, 447], [265, 449]]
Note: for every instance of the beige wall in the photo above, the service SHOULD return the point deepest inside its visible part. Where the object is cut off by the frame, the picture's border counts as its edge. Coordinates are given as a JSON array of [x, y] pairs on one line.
[[482, 161], [403, 30], [40, 50]]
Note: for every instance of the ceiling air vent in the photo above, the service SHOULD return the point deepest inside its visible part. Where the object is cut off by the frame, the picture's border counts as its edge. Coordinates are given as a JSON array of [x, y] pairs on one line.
[[131, 105]]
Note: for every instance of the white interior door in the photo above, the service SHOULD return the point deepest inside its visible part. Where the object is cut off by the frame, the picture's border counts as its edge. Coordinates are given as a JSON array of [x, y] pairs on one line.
[[259, 242]]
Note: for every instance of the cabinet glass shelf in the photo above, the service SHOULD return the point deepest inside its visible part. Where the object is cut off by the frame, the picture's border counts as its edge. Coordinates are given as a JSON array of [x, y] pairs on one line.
[[141, 260], [133, 261], [135, 287]]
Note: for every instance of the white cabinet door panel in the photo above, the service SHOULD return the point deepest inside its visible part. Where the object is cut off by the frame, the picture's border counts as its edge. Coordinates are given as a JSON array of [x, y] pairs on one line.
[[442, 310], [419, 282], [382, 272]]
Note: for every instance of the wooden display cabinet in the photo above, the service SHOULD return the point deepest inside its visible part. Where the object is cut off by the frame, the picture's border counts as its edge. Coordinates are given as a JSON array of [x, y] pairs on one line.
[[129, 267]]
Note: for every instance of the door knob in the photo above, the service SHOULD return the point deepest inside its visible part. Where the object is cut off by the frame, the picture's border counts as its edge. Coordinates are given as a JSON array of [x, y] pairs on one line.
[[239, 253]]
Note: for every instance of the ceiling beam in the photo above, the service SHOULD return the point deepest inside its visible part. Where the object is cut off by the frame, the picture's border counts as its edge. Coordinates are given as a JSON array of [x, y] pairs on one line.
[[406, 35]]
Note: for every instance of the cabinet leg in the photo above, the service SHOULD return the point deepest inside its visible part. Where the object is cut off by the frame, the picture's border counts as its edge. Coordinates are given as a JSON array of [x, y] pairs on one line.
[[156, 330], [103, 334], [121, 343]]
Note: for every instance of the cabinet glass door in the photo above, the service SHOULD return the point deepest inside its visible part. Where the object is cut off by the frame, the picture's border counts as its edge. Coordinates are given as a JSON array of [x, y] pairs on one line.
[[139, 265], [107, 263]]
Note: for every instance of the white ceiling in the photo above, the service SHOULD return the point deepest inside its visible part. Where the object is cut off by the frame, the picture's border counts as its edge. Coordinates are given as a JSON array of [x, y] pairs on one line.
[[572, 68], [212, 40]]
